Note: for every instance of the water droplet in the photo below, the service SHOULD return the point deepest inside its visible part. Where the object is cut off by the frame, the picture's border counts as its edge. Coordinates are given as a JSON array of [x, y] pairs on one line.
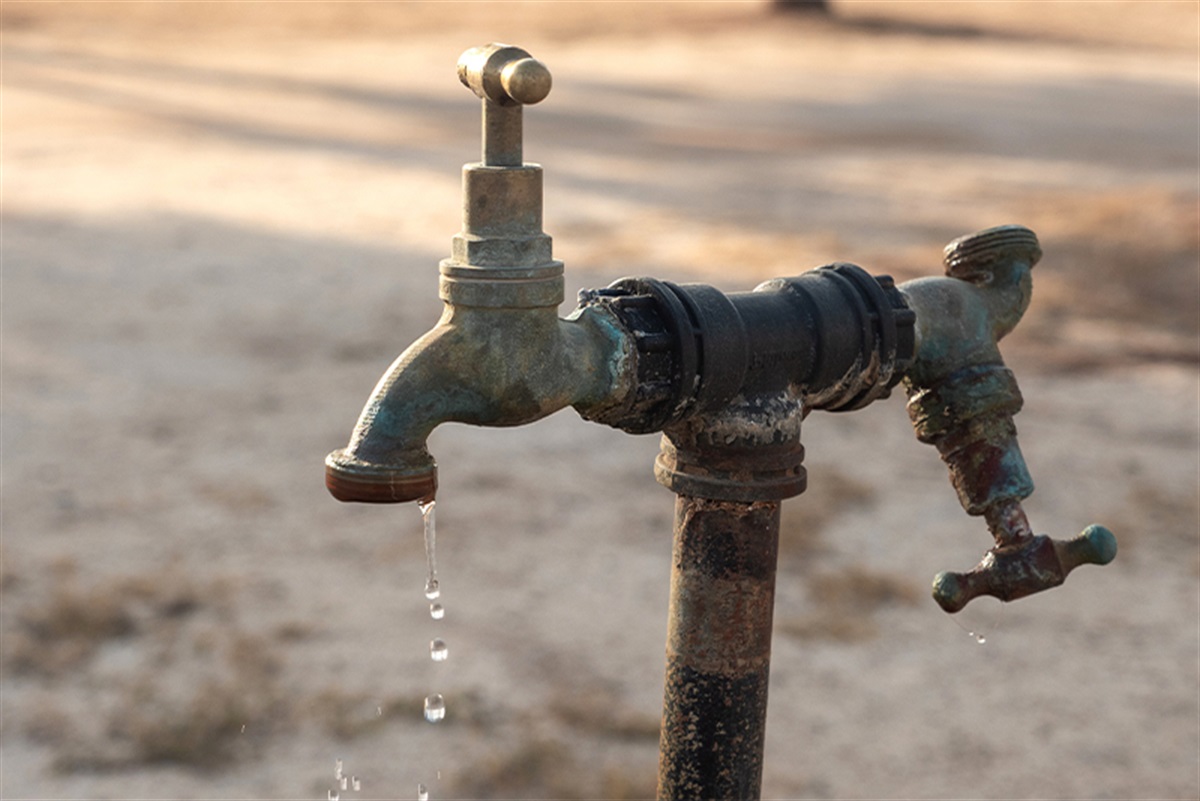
[[432, 589], [357, 783], [979, 638], [435, 708], [378, 711], [337, 770], [334, 795], [345, 783], [438, 650], [422, 793], [243, 728], [436, 611]]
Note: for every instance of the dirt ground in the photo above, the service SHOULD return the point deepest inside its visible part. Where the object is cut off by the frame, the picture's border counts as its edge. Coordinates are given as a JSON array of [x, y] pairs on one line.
[[221, 222]]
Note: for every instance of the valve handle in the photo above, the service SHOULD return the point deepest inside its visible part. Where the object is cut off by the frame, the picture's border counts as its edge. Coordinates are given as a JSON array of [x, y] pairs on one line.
[[508, 79], [504, 74], [1024, 566]]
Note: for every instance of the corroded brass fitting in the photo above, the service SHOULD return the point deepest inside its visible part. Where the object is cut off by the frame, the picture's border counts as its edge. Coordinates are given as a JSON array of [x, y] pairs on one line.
[[502, 258], [962, 400], [728, 379], [500, 355]]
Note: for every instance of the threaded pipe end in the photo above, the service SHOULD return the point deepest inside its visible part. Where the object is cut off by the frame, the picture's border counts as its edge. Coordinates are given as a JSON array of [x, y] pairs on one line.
[[972, 256]]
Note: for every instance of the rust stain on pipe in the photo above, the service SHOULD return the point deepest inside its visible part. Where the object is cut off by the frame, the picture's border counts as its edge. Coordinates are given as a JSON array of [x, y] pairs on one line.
[[718, 648]]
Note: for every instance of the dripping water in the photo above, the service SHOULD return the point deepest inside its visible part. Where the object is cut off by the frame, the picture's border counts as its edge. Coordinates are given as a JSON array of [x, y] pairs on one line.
[[342, 782], [435, 704], [983, 621], [432, 587], [435, 707], [438, 650]]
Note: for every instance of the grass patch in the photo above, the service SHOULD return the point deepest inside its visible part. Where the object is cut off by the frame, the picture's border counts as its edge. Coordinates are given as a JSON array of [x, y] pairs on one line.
[[141, 669], [65, 626], [803, 520], [1157, 518], [600, 713], [539, 768], [843, 604], [546, 768]]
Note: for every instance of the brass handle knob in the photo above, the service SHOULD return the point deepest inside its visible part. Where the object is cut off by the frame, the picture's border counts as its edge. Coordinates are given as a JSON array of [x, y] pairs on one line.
[[504, 74], [1024, 566]]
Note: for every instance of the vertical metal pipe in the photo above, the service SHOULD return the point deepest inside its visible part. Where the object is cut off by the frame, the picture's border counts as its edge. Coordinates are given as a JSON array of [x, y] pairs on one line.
[[718, 649]]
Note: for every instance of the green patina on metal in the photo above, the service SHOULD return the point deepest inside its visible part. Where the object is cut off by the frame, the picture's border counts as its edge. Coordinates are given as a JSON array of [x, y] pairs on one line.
[[728, 379]]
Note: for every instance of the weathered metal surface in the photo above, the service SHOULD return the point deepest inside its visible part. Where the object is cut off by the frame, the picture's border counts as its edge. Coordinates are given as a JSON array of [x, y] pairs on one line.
[[482, 366], [968, 416], [500, 356], [1024, 567], [506, 78], [962, 400], [729, 379], [749, 451], [834, 338], [718, 649]]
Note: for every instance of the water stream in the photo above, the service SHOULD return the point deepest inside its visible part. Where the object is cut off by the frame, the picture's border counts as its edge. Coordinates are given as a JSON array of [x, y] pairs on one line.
[[435, 703], [979, 621], [432, 587]]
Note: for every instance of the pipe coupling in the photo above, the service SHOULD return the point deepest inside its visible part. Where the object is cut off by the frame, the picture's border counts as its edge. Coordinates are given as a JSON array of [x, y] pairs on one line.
[[748, 451], [836, 338]]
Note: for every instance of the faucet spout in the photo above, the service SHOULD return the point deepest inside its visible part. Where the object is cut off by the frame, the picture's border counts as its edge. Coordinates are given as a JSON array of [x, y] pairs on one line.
[[481, 366]]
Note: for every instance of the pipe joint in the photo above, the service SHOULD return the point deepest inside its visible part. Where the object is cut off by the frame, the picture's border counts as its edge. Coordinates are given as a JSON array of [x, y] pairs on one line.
[[834, 338]]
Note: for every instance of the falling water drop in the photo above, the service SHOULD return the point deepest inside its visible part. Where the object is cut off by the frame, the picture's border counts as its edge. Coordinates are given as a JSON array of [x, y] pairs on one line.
[[438, 650], [334, 795], [422, 793], [435, 707], [345, 783], [432, 586], [437, 611], [337, 770], [356, 783], [979, 638]]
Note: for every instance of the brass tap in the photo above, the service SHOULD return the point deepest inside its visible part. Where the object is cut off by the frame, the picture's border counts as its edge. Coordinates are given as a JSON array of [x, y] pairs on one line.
[[500, 355], [962, 400]]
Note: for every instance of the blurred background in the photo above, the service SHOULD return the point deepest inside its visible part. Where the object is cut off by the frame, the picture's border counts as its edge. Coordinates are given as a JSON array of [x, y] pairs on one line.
[[222, 221]]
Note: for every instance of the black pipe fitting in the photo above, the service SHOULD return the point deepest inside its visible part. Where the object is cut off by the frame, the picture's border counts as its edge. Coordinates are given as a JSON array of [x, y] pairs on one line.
[[836, 336]]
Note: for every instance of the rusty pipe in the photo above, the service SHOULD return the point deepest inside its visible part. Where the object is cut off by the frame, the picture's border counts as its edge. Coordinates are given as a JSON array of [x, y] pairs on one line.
[[718, 648]]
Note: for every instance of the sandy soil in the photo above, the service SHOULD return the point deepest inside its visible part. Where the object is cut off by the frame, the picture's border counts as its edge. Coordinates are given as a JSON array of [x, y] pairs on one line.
[[221, 221]]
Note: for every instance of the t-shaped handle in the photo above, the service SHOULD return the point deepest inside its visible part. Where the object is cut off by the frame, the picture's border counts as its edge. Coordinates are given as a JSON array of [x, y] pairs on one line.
[[1023, 567], [507, 78]]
